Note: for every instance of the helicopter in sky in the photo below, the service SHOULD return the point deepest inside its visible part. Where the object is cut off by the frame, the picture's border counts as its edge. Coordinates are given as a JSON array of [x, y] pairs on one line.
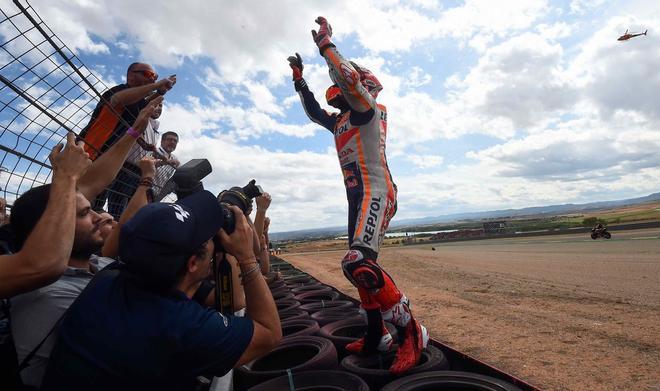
[[627, 36]]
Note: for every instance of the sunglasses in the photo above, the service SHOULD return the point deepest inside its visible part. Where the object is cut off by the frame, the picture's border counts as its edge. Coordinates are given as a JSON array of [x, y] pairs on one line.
[[148, 74]]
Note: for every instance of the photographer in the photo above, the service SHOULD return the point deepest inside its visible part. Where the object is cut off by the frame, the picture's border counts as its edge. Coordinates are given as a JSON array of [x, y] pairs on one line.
[[137, 327]]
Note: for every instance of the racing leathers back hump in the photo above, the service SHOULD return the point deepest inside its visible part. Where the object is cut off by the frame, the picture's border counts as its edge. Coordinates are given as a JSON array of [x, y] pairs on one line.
[[360, 136]]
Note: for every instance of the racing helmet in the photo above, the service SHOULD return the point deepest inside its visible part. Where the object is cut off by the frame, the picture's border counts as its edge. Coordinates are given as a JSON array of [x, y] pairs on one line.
[[332, 93]]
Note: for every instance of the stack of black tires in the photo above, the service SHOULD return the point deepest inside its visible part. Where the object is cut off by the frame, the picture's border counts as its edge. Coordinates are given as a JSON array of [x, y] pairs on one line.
[[317, 322]]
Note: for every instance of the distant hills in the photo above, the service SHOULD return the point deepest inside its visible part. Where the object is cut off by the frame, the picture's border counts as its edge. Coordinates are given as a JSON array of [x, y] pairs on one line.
[[550, 210]]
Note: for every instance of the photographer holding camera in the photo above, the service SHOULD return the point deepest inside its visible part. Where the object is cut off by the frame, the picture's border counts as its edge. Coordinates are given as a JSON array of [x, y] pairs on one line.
[[137, 327]]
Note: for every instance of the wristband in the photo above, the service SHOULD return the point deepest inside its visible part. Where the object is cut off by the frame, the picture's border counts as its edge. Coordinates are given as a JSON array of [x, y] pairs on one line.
[[133, 133], [245, 267], [147, 181], [246, 274]]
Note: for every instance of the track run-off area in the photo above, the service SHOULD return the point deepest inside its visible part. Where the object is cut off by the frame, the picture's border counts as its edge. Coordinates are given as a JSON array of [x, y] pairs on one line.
[[563, 312]]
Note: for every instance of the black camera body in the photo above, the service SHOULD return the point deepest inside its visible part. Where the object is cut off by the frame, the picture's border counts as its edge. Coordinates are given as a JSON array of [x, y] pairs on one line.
[[187, 179], [241, 196]]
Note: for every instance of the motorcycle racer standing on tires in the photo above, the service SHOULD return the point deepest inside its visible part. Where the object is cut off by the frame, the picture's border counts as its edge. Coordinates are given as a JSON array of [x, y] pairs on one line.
[[360, 130]]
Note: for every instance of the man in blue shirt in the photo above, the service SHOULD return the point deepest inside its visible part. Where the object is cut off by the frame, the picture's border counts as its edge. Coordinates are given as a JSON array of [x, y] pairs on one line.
[[137, 327]]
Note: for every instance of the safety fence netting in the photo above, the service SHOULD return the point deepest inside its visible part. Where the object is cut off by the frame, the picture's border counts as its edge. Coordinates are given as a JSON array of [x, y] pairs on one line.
[[45, 92]]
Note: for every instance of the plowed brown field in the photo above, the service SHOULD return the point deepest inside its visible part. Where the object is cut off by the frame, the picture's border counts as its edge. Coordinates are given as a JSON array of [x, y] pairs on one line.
[[562, 312]]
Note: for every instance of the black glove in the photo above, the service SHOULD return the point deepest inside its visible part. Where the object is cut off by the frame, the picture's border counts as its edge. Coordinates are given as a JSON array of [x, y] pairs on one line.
[[296, 64]]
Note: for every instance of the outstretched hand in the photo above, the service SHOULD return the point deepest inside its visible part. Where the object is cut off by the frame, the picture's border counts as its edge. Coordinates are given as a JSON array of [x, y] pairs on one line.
[[70, 160], [263, 201], [148, 166], [322, 37], [142, 119], [166, 84], [296, 64]]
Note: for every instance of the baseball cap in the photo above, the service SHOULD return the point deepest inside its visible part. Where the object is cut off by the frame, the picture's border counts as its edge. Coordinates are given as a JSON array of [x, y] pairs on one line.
[[159, 239]]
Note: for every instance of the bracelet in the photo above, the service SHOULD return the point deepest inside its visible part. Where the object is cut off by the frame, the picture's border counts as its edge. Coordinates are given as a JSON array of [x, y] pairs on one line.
[[133, 133], [147, 181], [246, 264], [244, 275], [256, 266]]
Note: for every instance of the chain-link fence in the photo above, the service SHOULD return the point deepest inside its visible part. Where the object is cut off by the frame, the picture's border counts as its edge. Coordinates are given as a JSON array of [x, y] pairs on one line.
[[45, 92]]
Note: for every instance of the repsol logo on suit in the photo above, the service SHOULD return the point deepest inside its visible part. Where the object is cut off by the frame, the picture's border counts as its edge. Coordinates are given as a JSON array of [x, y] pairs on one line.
[[372, 220], [342, 129]]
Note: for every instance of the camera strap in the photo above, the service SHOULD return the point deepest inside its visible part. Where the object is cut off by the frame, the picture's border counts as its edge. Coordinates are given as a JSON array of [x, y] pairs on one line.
[[224, 300]]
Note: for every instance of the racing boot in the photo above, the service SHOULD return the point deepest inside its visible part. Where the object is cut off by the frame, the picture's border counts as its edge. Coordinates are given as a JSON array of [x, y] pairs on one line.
[[415, 339], [376, 339]]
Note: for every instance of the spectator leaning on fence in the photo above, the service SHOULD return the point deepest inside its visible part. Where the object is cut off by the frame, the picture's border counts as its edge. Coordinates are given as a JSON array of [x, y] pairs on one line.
[[120, 105], [153, 335], [117, 108], [167, 167], [147, 145]]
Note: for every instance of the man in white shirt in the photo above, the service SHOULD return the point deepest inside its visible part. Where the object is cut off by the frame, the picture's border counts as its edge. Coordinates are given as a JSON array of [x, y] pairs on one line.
[[142, 149], [166, 168]]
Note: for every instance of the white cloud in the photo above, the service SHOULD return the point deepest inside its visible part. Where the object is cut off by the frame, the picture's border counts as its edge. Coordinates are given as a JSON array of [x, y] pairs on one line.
[[425, 161], [196, 118], [418, 77], [521, 80], [619, 75], [575, 153], [555, 31], [307, 187], [491, 17], [583, 6], [262, 98], [568, 115]]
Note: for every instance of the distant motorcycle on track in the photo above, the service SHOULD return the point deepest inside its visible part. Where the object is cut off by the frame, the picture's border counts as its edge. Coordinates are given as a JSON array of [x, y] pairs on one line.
[[600, 232]]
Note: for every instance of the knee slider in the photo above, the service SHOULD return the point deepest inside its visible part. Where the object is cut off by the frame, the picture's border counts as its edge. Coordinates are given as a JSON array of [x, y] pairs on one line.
[[362, 273]]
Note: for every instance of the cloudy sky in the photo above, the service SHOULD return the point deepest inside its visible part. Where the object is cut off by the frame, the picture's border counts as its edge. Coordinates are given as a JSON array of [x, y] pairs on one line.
[[491, 104]]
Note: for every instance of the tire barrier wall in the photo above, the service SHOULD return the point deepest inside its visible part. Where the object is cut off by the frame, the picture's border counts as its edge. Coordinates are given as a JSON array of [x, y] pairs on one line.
[[311, 380], [342, 310]]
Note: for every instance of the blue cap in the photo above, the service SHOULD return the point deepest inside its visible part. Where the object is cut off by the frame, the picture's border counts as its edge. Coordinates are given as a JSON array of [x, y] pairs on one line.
[[159, 239]]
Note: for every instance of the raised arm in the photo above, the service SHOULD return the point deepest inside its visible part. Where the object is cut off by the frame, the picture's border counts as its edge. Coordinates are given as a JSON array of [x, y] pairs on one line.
[[309, 103], [104, 169], [134, 94], [263, 202], [139, 199], [265, 253], [342, 72], [44, 255]]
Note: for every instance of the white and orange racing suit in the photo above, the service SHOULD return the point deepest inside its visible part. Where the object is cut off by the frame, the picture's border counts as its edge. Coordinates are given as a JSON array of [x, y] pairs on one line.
[[360, 134]]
